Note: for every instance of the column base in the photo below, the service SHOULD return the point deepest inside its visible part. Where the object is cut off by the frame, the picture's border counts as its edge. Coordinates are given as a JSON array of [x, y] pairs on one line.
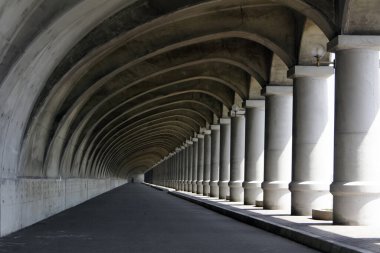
[[214, 189], [252, 192], [236, 191], [206, 188], [194, 186], [224, 191], [276, 195], [187, 186], [356, 203], [200, 187], [309, 195]]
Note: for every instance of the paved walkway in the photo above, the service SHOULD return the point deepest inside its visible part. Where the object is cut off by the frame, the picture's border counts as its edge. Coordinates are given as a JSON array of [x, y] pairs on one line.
[[138, 218], [322, 235]]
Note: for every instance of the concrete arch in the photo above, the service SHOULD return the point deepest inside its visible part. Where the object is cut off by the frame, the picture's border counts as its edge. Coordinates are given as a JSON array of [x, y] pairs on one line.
[[196, 106], [175, 117], [205, 100], [160, 113], [171, 139], [147, 127], [212, 78], [229, 8]]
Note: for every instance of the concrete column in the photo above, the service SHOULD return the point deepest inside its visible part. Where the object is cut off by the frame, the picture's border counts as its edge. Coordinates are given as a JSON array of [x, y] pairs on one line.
[[178, 168], [172, 170], [278, 147], [190, 164], [237, 156], [224, 169], [175, 170], [187, 162], [254, 152], [166, 172], [207, 163], [194, 166], [183, 167], [356, 186], [215, 158], [163, 173], [200, 167], [313, 139], [168, 169]]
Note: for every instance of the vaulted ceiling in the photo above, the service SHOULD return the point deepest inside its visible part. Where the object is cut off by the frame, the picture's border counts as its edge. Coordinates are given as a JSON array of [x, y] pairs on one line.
[[108, 88]]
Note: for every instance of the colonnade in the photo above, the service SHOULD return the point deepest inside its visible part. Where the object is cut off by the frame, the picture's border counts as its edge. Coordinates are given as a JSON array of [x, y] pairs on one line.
[[286, 151]]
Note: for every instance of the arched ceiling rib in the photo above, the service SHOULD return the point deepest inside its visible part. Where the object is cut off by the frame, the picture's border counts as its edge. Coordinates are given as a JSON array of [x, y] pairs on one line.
[[147, 78], [159, 64]]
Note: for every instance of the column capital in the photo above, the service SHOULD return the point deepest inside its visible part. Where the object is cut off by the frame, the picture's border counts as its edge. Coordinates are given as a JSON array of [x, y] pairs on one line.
[[225, 120], [183, 147], [194, 140], [202, 130], [200, 136], [310, 71], [188, 142], [207, 131], [260, 103], [215, 127], [343, 42], [277, 90], [239, 113]]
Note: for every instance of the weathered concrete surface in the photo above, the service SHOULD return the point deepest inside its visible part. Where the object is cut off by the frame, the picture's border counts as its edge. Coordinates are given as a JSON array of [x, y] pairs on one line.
[[137, 218], [26, 201]]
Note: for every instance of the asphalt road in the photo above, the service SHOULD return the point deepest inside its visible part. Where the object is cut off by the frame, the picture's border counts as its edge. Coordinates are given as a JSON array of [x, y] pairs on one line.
[[138, 218]]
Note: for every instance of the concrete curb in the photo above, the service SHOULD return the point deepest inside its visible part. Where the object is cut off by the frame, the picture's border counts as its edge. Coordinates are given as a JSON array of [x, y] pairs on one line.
[[308, 239], [160, 188]]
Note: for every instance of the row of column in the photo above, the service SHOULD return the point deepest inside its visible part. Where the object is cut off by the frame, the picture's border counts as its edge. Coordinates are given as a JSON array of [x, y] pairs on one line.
[[284, 152]]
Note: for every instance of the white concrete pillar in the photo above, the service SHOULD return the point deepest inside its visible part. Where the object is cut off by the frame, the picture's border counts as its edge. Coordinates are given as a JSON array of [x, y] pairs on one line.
[[178, 188], [356, 186], [200, 166], [188, 166], [175, 170], [224, 164], [183, 167], [254, 151], [172, 170], [207, 163], [215, 158], [313, 138], [163, 173], [237, 156], [167, 172], [194, 165], [278, 147]]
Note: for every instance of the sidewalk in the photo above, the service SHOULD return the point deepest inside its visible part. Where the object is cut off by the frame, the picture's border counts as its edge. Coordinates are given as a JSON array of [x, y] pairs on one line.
[[320, 235]]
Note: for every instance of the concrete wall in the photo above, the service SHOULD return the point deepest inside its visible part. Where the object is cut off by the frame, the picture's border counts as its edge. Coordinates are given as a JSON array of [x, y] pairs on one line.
[[25, 201]]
